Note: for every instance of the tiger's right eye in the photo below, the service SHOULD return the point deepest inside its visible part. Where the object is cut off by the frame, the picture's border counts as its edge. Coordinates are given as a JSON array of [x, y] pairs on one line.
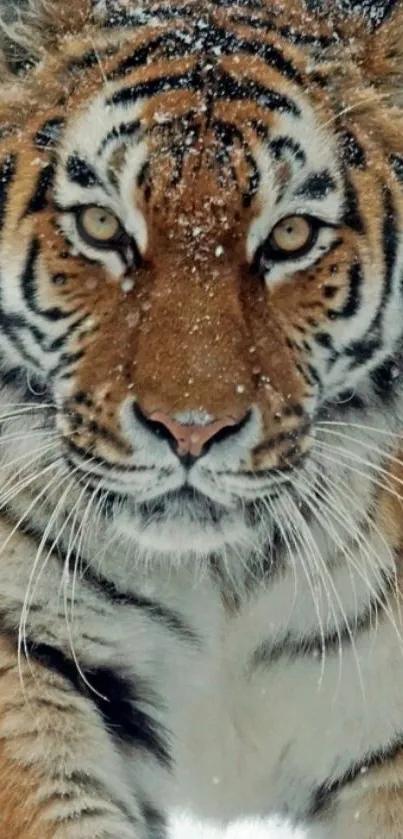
[[292, 236], [99, 227]]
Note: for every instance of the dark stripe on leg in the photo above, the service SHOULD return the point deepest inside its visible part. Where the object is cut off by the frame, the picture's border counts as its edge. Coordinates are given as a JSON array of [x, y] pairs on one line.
[[325, 796], [119, 699], [163, 615], [155, 821], [292, 646]]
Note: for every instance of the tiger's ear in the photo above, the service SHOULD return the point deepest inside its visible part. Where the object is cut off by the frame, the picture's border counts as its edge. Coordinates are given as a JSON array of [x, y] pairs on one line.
[[29, 30], [382, 50], [371, 38], [62, 16]]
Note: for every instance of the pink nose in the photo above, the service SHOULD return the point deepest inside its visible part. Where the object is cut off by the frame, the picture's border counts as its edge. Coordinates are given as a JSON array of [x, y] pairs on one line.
[[191, 439]]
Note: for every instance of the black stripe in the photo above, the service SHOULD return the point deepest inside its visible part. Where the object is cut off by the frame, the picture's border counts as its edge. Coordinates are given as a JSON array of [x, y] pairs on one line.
[[119, 132], [289, 33], [352, 216], [125, 19], [77, 421], [374, 11], [91, 58], [170, 44], [156, 823], [30, 290], [386, 379], [205, 39], [323, 339], [241, 4], [281, 145], [38, 200], [397, 163], [13, 328], [181, 135], [228, 135], [292, 436], [270, 54], [364, 350], [80, 172], [325, 795], [191, 80], [66, 360], [223, 86], [391, 239], [119, 699], [353, 302], [293, 646], [228, 87], [314, 378], [316, 186], [49, 133], [7, 174], [211, 37], [168, 618], [304, 39], [352, 152], [156, 611]]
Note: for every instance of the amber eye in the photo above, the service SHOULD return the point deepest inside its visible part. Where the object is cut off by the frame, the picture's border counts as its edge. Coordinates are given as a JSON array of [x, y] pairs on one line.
[[99, 227], [293, 235]]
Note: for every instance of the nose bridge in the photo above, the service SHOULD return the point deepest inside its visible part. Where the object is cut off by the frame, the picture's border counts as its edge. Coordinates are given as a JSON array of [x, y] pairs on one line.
[[191, 348]]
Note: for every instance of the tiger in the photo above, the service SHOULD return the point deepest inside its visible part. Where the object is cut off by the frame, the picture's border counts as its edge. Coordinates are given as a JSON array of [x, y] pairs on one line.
[[201, 390]]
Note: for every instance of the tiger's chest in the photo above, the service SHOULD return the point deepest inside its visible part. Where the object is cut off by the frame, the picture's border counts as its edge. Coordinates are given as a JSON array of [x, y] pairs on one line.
[[265, 726], [257, 720]]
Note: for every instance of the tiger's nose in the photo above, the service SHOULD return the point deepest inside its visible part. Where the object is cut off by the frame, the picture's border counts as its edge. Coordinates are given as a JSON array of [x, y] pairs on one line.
[[189, 441]]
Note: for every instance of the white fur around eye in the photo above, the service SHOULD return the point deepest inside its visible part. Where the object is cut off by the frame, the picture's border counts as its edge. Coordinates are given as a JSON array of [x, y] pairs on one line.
[[276, 271], [111, 259]]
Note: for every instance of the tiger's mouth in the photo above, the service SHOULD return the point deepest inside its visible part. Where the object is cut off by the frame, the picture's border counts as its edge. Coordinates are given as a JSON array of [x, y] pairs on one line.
[[184, 521], [184, 503]]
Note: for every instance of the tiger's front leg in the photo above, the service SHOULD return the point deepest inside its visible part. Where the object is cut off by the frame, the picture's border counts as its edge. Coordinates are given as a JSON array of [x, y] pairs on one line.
[[61, 777], [369, 808]]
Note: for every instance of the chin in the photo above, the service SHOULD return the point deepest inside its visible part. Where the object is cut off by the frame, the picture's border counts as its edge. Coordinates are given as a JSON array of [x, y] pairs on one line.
[[169, 527]]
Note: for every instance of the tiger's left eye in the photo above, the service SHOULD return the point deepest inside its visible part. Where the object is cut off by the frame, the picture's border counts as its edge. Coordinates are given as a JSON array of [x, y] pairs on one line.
[[99, 227], [292, 236]]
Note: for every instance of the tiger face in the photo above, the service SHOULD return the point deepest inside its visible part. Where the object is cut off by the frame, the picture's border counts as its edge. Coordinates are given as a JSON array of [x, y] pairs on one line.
[[204, 259]]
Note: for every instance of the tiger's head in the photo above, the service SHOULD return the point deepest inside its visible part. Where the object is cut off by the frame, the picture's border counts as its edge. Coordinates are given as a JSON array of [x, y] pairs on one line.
[[201, 258]]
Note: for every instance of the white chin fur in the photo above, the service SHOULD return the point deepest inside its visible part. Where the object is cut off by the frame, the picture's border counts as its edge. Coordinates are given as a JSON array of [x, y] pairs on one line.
[[181, 535]]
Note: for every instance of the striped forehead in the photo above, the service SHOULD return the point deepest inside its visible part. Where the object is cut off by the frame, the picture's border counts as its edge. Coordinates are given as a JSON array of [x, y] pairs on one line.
[[106, 147]]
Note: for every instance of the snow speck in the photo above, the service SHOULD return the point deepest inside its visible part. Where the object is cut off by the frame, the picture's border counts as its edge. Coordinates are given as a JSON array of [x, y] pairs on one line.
[[127, 284]]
